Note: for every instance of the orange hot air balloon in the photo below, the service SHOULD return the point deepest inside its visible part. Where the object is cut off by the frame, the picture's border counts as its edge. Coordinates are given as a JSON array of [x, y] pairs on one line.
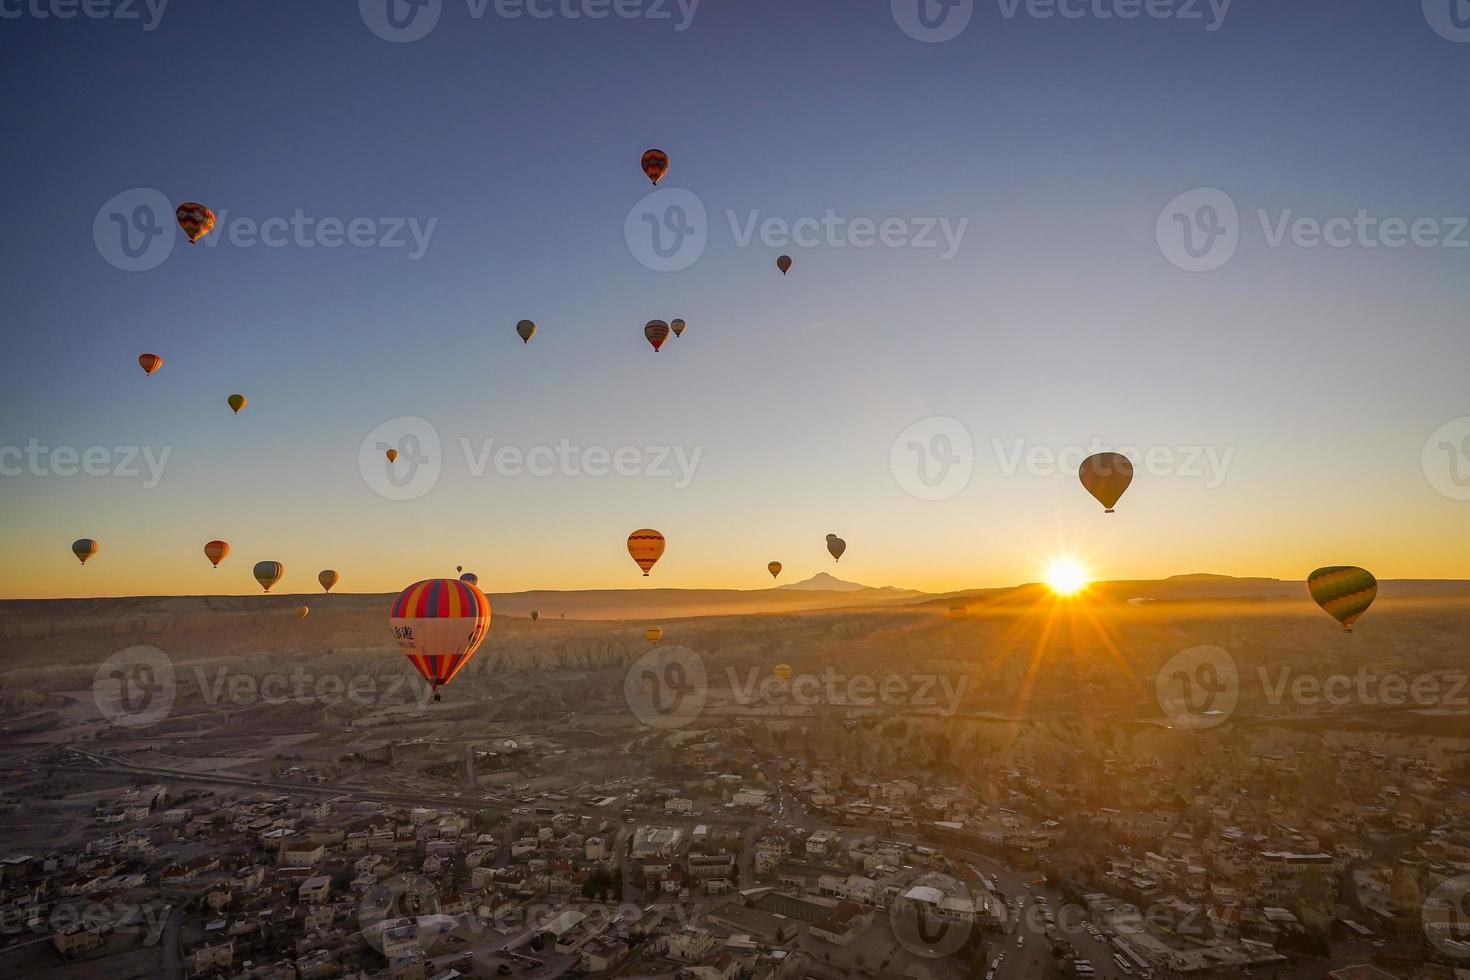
[[149, 362], [392, 455], [237, 402], [774, 568], [268, 573], [647, 547], [328, 578], [84, 548], [835, 547], [655, 165], [196, 220], [439, 623], [784, 264], [1106, 476], [216, 552], [657, 332]]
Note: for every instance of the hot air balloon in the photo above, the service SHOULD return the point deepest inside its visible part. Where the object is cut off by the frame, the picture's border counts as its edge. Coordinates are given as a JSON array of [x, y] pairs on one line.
[[831, 536], [303, 612], [84, 548], [459, 568], [782, 671], [784, 264], [237, 402], [470, 577], [836, 546], [149, 362], [196, 220], [1106, 476], [535, 615], [438, 624], [657, 332], [216, 552], [653, 634], [647, 547], [774, 568], [678, 327], [1344, 591], [527, 330], [327, 578], [268, 573], [655, 165], [392, 455]]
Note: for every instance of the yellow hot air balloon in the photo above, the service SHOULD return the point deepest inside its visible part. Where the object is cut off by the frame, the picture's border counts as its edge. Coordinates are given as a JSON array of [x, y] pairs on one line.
[[268, 573], [1344, 592], [647, 547], [835, 547], [783, 671], [327, 578], [526, 329], [784, 264], [1106, 476], [84, 548], [774, 568], [653, 634], [237, 402], [304, 611], [392, 455], [216, 552]]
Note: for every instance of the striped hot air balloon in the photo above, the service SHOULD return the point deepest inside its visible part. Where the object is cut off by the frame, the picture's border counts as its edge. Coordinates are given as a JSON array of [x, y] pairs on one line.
[[268, 573], [1107, 477], [84, 548], [653, 634], [1344, 592], [196, 220], [783, 671], [655, 165], [647, 547], [439, 623], [657, 332], [216, 552], [328, 578], [149, 362]]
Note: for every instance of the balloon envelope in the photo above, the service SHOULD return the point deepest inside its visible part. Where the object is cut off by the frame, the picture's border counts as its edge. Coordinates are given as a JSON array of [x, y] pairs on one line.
[[328, 578], [784, 264], [655, 164], [527, 330], [535, 615], [470, 577], [657, 332], [653, 634], [678, 327], [216, 552], [774, 568], [836, 546], [84, 548], [439, 623], [1106, 476], [149, 362], [268, 573], [196, 220], [647, 547], [392, 455], [783, 671], [237, 402], [1344, 592]]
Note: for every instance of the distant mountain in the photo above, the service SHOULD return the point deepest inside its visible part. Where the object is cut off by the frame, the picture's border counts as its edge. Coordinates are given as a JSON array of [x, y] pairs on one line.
[[826, 583]]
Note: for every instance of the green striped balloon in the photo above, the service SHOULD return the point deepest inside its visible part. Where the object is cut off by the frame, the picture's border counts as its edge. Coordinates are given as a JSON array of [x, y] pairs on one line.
[[1344, 591]]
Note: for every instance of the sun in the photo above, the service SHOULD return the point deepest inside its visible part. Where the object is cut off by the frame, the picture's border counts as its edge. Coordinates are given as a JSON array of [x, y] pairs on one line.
[[1064, 576]]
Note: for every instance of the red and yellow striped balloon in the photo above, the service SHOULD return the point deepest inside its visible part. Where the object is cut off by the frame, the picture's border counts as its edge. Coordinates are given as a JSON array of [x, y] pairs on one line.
[[439, 623], [647, 547], [149, 362], [657, 332]]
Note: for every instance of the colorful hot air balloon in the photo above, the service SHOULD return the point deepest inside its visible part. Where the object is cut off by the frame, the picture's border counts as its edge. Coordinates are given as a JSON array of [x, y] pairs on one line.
[[216, 552], [303, 612], [84, 548], [836, 546], [438, 624], [1344, 592], [784, 264], [470, 577], [268, 573], [782, 671], [655, 165], [774, 568], [527, 330], [392, 455], [657, 332], [237, 402], [149, 362], [678, 327], [653, 634], [1106, 476], [647, 547], [535, 615], [196, 220], [327, 578]]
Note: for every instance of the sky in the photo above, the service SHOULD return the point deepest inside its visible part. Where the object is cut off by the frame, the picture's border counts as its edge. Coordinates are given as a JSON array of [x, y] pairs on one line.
[[1288, 403]]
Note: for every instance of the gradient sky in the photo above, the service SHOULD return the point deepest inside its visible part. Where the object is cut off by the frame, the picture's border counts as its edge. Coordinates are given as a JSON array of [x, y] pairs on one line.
[[1058, 322]]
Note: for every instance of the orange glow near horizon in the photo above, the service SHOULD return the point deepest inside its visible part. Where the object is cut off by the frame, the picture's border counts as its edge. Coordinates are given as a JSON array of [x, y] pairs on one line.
[[1066, 576]]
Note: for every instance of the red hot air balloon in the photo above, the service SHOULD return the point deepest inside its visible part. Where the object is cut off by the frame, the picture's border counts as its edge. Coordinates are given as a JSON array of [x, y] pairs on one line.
[[439, 623], [657, 332], [149, 362], [655, 165]]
